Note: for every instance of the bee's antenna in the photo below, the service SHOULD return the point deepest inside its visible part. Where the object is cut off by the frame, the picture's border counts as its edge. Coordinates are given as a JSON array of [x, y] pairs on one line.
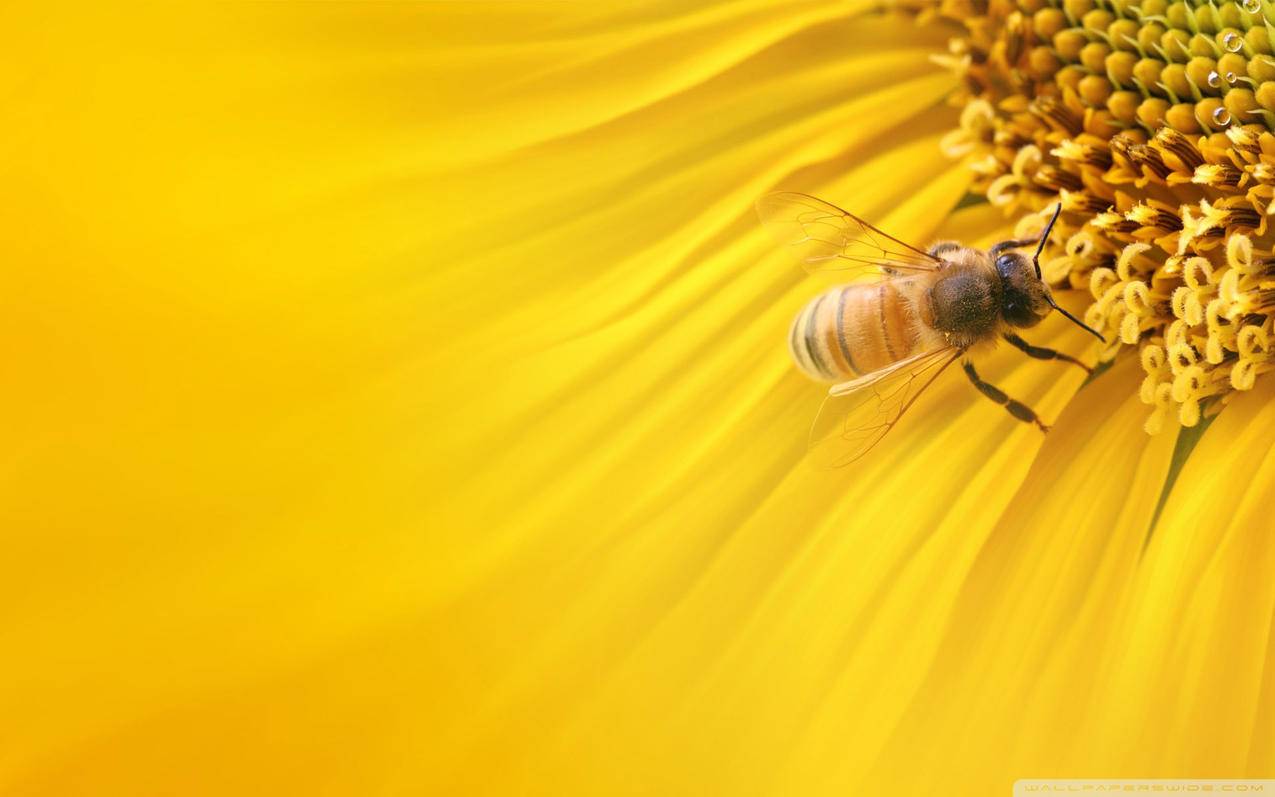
[[1044, 237], [1073, 319]]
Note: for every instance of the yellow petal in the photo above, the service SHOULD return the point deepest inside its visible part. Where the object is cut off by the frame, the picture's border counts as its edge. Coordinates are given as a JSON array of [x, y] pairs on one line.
[[1023, 645], [337, 381], [1194, 673]]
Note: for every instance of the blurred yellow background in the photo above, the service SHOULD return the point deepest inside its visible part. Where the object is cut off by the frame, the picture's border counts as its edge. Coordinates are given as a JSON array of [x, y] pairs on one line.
[[395, 402]]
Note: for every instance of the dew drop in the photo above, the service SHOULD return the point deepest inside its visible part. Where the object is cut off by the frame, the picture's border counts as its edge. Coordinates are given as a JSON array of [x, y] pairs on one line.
[[1221, 116], [1251, 6], [1230, 78], [1232, 42], [1214, 79]]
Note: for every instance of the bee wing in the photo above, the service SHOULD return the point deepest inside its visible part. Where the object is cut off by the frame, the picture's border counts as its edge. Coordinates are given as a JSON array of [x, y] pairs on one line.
[[857, 414], [825, 237]]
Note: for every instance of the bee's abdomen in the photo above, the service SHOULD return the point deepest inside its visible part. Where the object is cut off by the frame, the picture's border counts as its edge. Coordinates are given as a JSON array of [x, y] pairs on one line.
[[851, 331]]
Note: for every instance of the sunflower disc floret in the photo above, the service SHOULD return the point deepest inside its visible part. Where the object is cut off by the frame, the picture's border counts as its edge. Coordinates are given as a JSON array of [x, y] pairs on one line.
[[1151, 123]]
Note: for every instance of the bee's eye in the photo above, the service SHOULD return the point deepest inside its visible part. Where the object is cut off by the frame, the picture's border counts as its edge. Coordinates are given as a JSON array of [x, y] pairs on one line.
[[1005, 263]]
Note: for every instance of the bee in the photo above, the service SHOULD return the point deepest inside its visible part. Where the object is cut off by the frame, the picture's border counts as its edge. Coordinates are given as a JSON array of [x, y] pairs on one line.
[[882, 343]]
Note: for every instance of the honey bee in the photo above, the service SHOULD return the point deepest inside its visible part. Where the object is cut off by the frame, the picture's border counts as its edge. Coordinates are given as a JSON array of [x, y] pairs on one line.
[[882, 343]]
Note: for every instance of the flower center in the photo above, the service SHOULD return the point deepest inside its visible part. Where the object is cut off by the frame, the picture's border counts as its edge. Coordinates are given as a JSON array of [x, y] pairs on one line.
[[1151, 122]]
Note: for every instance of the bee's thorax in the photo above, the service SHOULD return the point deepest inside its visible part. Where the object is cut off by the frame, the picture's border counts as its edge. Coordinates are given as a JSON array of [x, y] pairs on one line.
[[964, 301]]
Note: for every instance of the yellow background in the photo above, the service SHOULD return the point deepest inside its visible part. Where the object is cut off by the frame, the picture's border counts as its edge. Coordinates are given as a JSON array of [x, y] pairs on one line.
[[395, 402]]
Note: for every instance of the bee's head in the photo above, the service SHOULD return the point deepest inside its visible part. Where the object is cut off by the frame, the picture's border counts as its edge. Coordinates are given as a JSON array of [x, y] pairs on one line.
[[1025, 298]]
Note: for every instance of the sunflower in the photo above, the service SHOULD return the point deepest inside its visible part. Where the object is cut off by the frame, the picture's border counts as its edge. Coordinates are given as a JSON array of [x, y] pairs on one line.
[[398, 402]]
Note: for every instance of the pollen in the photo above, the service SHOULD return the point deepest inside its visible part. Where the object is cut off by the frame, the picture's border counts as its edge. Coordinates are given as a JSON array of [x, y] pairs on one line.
[[1152, 123]]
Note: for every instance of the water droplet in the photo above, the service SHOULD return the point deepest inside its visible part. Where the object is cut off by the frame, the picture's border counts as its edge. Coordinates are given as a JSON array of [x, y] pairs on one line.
[[1251, 6], [1230, 78], [1214, 79], [1232, 42], [1221, 116]]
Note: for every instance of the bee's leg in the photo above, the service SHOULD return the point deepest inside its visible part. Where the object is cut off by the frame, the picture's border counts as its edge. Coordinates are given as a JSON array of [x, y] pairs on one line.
[[1016, 408], [1042, 353]]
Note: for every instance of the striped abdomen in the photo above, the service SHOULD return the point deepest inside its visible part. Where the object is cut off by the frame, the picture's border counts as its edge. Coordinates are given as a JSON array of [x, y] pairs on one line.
[[851, 331]]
